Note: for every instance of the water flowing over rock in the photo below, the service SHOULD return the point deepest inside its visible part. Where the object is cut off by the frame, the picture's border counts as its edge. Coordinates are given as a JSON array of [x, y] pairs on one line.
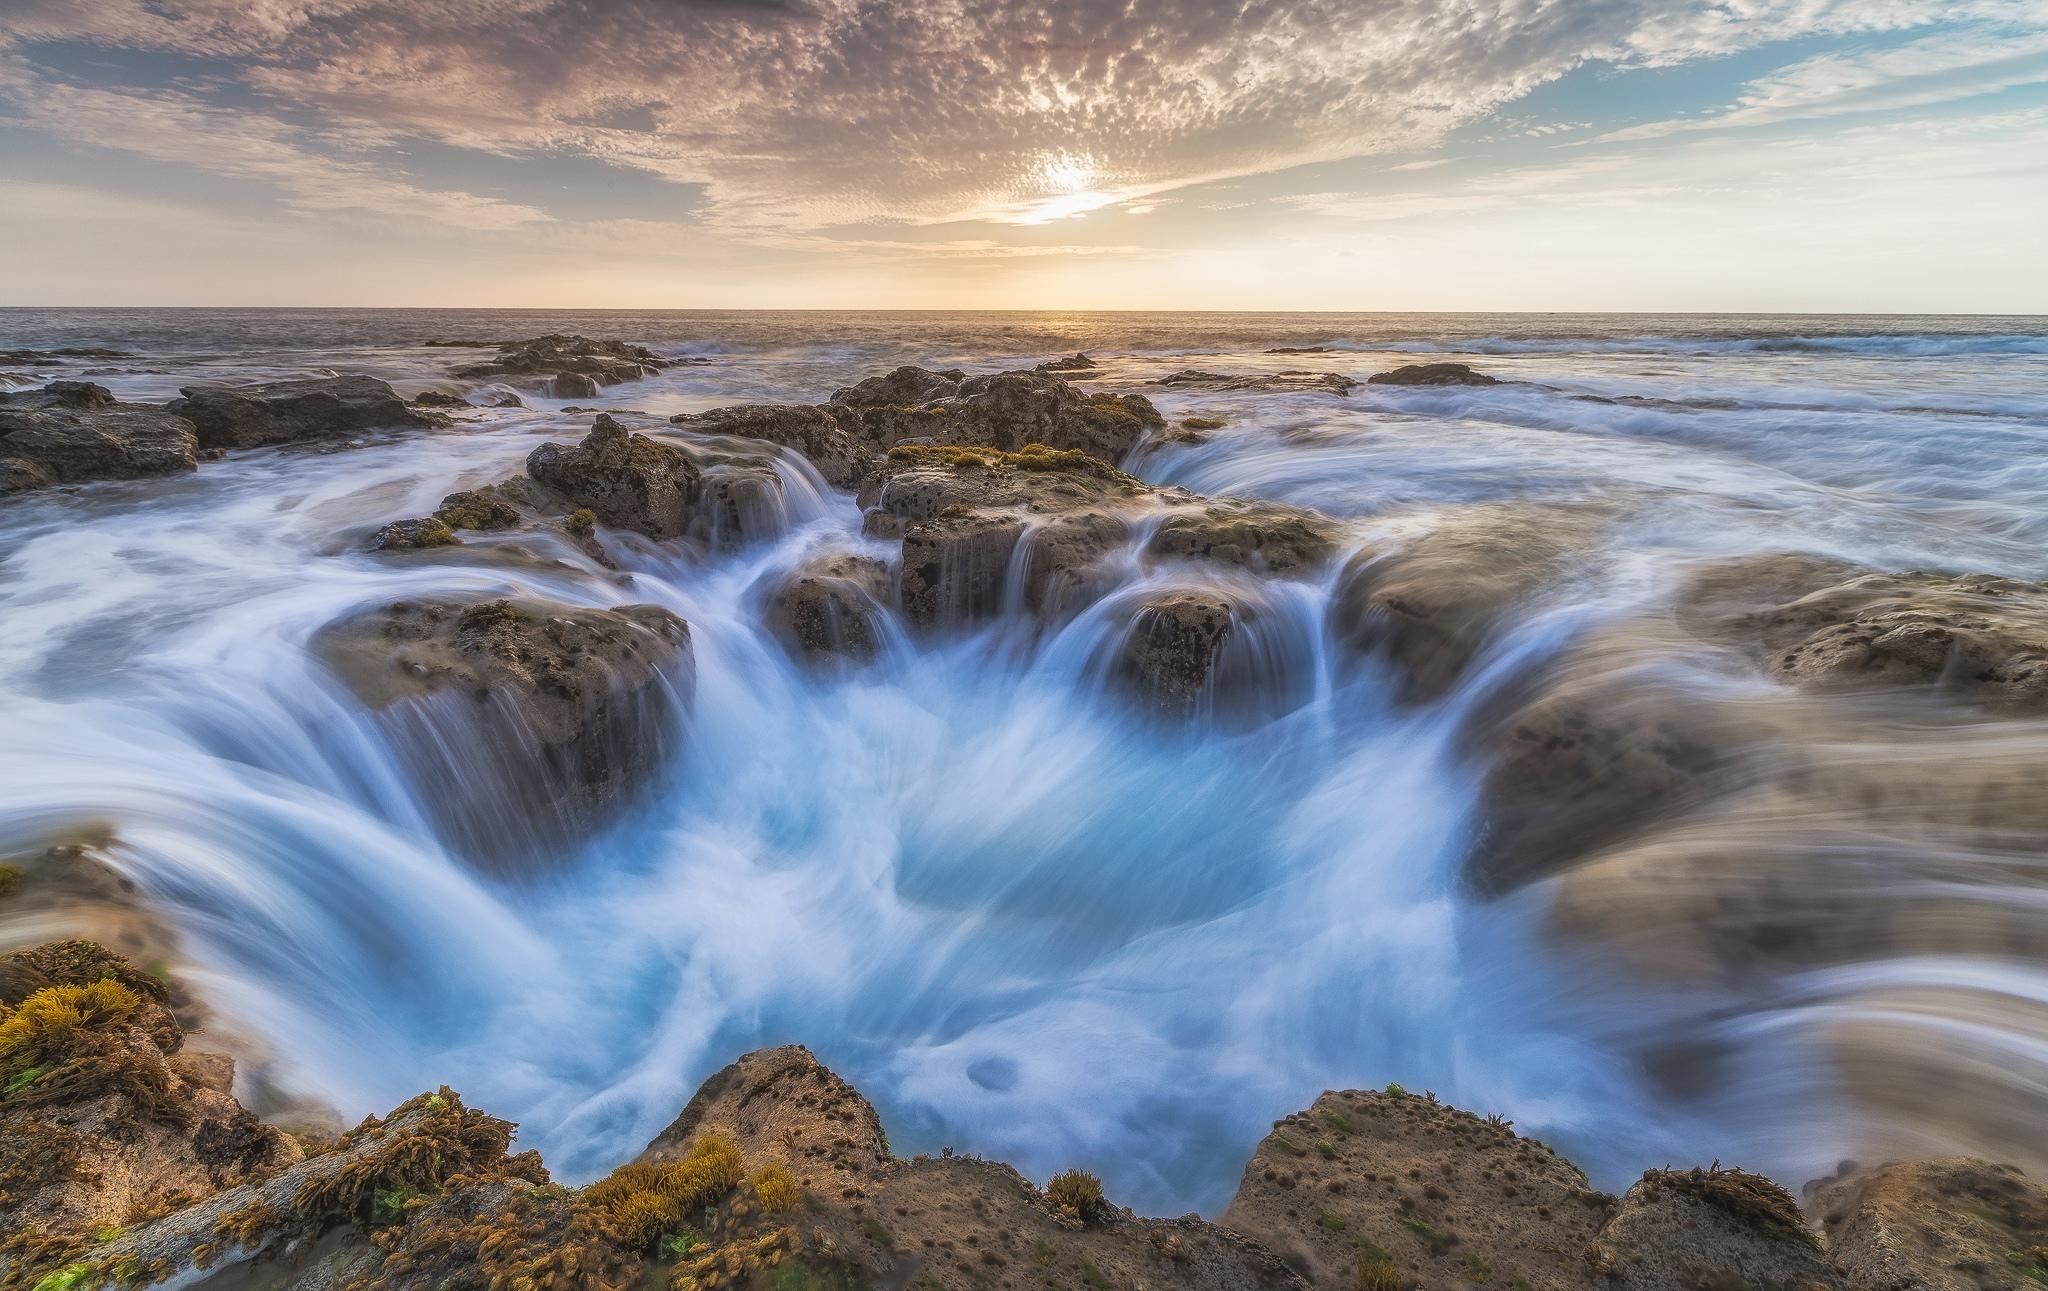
[[281, 412], [831, 608], [1262, 537], [72, 432], [1072, 363], [1432, 374], [1288, 382], [628, 480], [1170, 656], [527, 724], [576, 366]]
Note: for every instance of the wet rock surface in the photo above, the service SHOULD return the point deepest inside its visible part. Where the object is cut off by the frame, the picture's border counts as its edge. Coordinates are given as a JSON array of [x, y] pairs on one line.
[[1432, 374], [71, 432], [778, 1172], [831, 607], [566, 712], [625, 479], [1291, 381], [1172, 651], [281, 412]]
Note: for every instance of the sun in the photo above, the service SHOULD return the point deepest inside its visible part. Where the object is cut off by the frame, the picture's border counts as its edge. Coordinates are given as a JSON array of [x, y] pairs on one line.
[[1067, 173]]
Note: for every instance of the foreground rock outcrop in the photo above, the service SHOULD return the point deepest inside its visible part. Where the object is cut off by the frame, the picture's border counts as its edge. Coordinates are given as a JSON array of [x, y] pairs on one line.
[[71, 432], [626, 479], [282, 412], [566, 712], [123, 1169]]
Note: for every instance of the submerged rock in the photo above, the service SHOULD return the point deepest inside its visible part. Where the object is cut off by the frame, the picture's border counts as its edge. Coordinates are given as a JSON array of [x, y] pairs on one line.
[[71, 432], [628, 480], [282, 412], [1432, 374], [564, 714], [1072, 363], [414, 535], [830, 608]]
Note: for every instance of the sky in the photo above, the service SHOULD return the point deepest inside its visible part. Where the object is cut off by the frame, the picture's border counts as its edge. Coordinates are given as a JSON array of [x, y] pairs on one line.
[[1740, 155]]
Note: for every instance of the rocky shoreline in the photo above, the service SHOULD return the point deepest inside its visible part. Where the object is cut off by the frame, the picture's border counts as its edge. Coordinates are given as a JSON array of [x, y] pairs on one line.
[[127, 1159], [129, 1162]]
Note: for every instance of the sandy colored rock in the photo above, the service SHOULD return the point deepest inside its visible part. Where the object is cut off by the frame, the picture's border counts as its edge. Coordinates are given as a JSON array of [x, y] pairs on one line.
[[1437, 1196], [1709, 1229], [1262, 537], [1954, 1224]]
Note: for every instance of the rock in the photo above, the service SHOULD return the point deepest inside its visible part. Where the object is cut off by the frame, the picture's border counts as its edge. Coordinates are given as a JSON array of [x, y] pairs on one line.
[[1073, 363], [830, 608], [1070, 561], [628, 480], [1954, 1224], [1386, 1190], [1982, 638], [917, 482], [413, 535], [566, 714], [956, 567], [586, 364], [903, 387], [484, 509], [53, 358], [947, 1223], [1431, 605], [1301, 349], [439, 399], [1584, 765], [1432, 374], [1008, 411], [1263, 537], [286, 411], [839, 457], [1171, 651], [71, 432], [1709, 1228], [572, 385], [1264, 382], [101, 1121]]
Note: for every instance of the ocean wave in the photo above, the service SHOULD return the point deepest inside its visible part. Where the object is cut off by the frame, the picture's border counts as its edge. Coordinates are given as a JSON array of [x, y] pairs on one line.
[[1923, 345]]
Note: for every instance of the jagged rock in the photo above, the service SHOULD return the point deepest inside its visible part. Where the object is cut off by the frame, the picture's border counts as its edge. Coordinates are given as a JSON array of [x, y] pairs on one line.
[[1432, 374], [1709, 1228], [576, 365], [483, 509], [830, 607], [565, 714], [948, 1223], [74, 431], [281, 412], [628, 480], [439, 399], [813, 432], [1008, 411], [1954, 1224], [917, 482], [1072, 363], [1386, 1190], [1262, 382], [956, 566]]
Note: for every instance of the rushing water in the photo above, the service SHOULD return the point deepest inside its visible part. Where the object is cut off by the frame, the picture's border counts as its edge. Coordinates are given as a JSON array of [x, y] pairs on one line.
[[1024, 921]]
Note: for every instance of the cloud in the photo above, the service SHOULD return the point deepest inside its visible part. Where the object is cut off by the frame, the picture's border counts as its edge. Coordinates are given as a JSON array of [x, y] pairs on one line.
[[811, 113], [1920, 73]]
